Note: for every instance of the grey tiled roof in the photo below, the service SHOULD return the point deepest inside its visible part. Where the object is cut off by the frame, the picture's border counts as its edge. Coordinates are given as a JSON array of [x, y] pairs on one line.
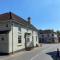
[[21, 21], [46, 31]]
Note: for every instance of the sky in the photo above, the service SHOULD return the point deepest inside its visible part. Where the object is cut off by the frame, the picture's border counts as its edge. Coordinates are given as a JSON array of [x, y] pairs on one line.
[[45, 14]]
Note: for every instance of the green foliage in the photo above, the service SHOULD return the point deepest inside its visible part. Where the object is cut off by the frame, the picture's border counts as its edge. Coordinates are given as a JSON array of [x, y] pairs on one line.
[[58, 32]]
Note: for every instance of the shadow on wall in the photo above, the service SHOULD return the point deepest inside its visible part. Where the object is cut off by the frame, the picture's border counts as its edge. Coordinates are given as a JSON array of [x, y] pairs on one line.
[[54, 55], [30, 46]]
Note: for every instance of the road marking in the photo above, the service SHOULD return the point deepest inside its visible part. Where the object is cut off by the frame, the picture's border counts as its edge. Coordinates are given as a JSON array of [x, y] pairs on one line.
[[41, 52]]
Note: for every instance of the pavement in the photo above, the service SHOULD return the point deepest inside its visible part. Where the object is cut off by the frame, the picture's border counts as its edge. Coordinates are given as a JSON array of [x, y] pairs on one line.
[[46, 52]]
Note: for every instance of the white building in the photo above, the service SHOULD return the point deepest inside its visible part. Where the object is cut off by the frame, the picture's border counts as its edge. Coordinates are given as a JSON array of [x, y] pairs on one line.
[[47, 36], [16, 33]]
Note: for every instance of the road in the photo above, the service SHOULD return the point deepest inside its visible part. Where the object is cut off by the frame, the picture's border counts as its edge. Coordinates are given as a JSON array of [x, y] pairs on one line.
[[39, 53]]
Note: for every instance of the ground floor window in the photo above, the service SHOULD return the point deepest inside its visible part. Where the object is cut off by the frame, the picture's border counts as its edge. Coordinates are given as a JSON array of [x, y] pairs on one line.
[[40, 40], [19, 39], [43, 40], [52, 39]]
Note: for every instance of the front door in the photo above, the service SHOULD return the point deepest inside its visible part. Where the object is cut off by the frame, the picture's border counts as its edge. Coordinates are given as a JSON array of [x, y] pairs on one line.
[[27, 40]]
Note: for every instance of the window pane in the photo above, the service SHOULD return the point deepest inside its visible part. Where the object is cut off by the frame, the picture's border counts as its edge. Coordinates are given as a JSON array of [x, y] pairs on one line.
[[19, 39]]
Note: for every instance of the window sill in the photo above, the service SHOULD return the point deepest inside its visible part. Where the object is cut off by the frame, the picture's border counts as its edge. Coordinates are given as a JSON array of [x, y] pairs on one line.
[[20, 44], [19, 32]]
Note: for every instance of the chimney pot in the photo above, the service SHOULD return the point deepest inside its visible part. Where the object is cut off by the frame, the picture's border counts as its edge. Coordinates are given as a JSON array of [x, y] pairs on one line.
[[29, 20]]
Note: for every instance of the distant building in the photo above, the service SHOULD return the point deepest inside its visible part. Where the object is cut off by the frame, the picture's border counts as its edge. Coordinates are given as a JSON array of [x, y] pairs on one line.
[[59, 38], [16, 33], [47, 36]]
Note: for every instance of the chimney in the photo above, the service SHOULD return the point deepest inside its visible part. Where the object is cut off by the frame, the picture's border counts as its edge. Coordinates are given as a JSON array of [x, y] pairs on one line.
[[29, 20], [10, 15]]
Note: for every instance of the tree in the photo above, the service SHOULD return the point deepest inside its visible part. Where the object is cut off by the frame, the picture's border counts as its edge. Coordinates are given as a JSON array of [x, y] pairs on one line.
[[58, 32]]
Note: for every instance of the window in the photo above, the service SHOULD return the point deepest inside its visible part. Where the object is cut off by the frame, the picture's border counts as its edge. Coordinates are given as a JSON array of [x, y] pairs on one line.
[[42, 35], [19, 39], [52, 34], [43, 40], [48, 35], [52, 39], [40, 40]]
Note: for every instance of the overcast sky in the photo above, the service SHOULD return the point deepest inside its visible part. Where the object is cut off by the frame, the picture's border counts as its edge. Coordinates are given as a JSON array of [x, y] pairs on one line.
[[45, 14]]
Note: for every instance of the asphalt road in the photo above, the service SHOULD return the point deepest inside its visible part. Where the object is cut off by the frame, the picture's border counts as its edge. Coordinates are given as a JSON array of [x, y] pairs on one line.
[[39, 53]]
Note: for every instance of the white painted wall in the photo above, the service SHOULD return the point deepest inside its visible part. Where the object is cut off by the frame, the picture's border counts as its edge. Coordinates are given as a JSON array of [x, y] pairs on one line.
[[34, 35], [6, 45], [16, 32]]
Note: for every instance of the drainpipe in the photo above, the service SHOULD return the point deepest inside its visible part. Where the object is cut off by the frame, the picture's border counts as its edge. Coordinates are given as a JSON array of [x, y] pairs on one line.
[[25, 39], [32, 39], [12, 38]]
